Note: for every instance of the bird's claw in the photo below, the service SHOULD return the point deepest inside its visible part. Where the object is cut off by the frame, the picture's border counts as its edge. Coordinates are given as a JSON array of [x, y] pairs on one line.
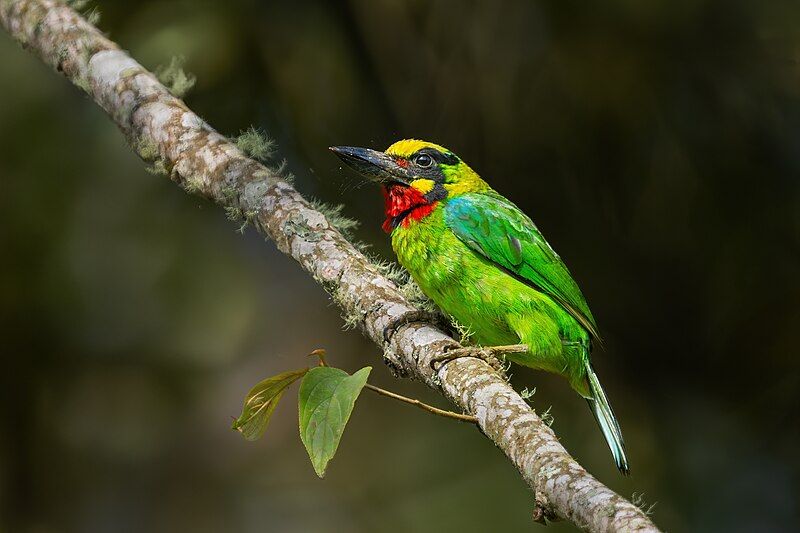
[[409, 318], [489, 354]]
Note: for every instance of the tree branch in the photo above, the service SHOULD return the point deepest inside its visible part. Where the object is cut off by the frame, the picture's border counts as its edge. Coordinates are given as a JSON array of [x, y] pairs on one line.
[[201, 160]]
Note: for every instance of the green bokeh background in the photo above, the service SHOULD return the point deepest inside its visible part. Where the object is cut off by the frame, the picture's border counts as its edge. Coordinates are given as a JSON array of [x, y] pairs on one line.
[[656, 144]]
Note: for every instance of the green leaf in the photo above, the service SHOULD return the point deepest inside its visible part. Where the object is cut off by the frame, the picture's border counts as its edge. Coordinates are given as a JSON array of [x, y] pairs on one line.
[[261, 402], [327, 397]]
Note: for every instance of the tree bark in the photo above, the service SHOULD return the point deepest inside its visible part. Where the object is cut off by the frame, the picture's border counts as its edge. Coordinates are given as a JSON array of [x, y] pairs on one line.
[[160, 126]]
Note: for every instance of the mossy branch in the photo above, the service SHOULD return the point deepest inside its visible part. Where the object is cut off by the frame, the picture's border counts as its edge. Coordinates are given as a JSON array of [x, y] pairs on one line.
[[174, 78]]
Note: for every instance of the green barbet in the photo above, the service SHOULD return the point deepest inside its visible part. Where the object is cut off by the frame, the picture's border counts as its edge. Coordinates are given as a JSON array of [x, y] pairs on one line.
[[484, 262]]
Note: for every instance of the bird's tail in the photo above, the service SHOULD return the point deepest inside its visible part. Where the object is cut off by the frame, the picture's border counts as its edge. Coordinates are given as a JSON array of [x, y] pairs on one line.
[[606, 420]]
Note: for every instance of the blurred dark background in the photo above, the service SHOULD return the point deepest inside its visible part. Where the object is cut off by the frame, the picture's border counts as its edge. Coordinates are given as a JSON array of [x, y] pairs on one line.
[[656, 144]]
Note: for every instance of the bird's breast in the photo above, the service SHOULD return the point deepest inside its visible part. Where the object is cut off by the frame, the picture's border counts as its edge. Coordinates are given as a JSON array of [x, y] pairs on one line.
[[430, 252]]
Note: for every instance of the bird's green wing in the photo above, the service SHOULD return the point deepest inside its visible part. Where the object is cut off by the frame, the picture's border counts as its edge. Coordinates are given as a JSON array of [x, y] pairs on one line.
[[497, 229]]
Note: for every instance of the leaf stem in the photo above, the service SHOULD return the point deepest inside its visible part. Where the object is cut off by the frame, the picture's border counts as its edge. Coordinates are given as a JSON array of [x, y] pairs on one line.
[[423, 406]]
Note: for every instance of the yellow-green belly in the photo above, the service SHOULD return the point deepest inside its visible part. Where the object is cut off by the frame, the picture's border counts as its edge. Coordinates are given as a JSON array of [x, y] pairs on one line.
[[496, 307]]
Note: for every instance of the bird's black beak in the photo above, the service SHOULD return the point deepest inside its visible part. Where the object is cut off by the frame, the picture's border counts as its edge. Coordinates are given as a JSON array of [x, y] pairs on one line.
[[372, 164]]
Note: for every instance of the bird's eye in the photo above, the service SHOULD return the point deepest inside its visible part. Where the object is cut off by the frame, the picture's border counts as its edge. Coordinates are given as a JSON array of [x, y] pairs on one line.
[[423, 160]]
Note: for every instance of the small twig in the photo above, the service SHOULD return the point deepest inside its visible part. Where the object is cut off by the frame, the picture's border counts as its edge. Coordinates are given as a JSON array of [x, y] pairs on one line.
[[424, 406], [319, 353]]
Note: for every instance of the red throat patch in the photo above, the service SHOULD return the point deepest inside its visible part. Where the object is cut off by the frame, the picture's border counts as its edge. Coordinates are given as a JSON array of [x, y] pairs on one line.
[[403, 205]]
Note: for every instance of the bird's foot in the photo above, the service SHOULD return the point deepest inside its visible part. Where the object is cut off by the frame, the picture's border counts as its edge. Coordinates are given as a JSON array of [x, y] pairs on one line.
[[409, 318], [489, 354]]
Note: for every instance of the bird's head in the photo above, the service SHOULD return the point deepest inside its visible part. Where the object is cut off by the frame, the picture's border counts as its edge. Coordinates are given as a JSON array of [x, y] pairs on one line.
[[415, 176]]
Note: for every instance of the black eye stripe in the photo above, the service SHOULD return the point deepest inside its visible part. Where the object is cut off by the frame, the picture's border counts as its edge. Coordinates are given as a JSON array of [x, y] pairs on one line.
[[446, 158]]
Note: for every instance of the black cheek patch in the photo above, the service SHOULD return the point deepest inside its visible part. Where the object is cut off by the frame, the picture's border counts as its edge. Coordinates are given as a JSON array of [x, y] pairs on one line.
[[437, 193], [434, 174]]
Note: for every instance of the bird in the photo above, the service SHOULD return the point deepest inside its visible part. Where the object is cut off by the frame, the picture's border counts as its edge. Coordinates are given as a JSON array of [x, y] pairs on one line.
[[486, 264]]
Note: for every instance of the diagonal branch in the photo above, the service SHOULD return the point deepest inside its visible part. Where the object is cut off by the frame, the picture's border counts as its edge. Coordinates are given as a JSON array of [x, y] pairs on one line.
[[201, 160]]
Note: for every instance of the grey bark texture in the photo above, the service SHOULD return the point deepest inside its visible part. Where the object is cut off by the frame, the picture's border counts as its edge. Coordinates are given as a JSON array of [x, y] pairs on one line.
[[161, 128]]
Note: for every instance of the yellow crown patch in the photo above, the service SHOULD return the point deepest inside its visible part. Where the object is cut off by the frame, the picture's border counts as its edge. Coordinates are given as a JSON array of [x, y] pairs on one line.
[[406, 147]]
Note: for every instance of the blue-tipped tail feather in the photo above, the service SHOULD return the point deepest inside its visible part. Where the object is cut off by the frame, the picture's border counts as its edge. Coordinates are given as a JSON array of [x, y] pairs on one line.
[[606, 420]]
